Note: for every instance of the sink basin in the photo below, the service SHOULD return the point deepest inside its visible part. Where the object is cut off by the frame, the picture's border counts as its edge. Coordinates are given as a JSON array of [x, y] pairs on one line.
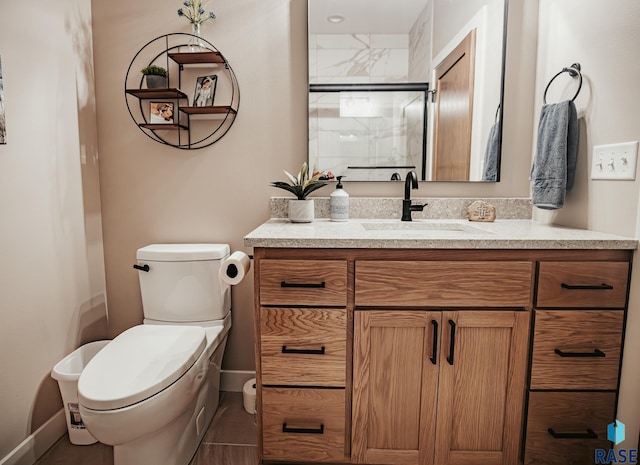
[[418, 226]]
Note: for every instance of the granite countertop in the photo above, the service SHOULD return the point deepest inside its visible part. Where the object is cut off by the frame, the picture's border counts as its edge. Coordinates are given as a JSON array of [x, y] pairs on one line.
[[430, 233]]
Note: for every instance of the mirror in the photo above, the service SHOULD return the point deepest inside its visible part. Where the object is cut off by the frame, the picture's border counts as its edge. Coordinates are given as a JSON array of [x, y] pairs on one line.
[[412, 85]]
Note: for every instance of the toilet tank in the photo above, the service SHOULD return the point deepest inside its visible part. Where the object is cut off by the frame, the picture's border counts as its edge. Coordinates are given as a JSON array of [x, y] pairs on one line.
[[182, 284]]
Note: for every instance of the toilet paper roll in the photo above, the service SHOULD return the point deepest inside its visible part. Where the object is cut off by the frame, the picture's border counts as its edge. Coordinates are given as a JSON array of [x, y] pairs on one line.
[[249, 396], [233, 270]]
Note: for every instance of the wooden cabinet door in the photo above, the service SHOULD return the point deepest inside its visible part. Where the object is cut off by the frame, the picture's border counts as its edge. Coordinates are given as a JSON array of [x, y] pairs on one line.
[[395, 379], [481, 388]]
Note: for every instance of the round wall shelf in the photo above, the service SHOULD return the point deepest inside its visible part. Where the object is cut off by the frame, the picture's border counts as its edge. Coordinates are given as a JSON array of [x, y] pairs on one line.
[[199, 101]]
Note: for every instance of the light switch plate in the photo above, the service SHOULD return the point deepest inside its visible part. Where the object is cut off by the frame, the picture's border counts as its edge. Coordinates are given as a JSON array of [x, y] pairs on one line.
[[615, 161]]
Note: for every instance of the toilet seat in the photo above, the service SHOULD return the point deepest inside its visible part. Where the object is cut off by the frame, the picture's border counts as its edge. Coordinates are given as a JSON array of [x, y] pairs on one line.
[[138, 364]]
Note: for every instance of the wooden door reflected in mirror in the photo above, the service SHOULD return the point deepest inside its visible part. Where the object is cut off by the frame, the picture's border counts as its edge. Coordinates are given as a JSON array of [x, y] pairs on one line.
[[454, 112]]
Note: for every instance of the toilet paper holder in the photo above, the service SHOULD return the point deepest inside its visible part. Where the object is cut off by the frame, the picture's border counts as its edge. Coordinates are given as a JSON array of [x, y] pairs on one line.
[[232, 270]]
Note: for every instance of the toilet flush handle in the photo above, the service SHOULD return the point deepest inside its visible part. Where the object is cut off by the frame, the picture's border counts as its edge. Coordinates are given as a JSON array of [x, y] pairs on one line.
[[142, 268]]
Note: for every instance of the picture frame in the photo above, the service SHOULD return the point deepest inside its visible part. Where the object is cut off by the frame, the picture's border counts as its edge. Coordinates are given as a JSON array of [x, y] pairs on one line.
[[161, 112], [3, 125], [205, 91]]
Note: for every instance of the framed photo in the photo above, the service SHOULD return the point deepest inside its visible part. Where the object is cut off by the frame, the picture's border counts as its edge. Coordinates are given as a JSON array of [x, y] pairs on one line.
[[3, 126], [205, 91], [161, 112]]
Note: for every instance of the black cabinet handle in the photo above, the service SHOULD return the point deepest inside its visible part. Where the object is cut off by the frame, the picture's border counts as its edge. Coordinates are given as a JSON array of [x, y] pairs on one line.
[[452, 343], [595, 353], [590, 434], [306, 285], [597, 287], [320, 351], [286, 429], [434, 350], [142, 268]]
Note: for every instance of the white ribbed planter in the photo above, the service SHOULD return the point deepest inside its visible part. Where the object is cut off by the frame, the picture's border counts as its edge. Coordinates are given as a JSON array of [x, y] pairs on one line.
[[301, 211]]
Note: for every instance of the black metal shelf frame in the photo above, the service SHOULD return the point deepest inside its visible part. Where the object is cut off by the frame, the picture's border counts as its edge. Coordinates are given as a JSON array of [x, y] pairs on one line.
[[170, 50]]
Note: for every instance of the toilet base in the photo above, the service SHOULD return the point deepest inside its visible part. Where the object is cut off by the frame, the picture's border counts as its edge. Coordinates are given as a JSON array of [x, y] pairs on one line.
[[177, 443]]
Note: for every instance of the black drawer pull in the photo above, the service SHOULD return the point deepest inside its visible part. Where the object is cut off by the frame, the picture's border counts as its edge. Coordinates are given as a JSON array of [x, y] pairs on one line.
[[595, 353], [321, 285], [286, 429], [590, 434], [452, 343], [598, 287], [142, 268], [434, 350], [319, 351]]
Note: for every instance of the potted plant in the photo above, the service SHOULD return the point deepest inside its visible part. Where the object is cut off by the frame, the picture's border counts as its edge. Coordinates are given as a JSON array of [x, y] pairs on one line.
[[156, 76], [301, 208]]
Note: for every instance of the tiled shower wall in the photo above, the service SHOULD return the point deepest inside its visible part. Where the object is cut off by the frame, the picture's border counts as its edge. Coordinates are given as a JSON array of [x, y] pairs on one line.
[[366, 59]]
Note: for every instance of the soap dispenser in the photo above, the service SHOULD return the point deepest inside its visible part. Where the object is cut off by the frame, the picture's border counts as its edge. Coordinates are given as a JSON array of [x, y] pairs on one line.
[[339, 203]]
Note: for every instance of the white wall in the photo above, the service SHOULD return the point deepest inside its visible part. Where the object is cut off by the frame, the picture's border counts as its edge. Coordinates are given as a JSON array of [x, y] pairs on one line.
[[52, 295], [604, 38]]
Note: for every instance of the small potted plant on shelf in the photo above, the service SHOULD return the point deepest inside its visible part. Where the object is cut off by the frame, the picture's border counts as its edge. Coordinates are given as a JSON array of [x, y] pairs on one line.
[[301, 208], [156, 76]]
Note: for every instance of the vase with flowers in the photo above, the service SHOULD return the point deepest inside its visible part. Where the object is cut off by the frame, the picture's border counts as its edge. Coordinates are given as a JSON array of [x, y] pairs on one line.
[[301, 208], [194, 11]]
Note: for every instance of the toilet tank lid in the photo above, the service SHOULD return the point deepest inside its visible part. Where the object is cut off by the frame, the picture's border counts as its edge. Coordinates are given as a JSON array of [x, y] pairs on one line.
[[182, 252]]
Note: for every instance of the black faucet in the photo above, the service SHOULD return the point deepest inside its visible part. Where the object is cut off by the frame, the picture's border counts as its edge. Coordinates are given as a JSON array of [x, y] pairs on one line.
[[410, 182]]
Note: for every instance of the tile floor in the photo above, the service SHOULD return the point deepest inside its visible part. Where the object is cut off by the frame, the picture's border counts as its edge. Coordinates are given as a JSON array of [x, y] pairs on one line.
[[230, 440]]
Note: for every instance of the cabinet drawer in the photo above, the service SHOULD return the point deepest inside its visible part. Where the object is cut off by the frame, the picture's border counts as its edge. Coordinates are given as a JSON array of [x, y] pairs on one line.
[[303, 424], [576, 349], [582, 284], [303, 346], [303, 282], [443, 283], [574, 418]]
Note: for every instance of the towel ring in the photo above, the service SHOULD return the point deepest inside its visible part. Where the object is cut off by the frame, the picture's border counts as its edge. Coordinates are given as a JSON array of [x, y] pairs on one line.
[[573, 70]]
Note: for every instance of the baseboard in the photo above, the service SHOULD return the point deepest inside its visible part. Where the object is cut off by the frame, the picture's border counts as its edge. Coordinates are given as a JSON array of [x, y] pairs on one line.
[[36, 444], [233, 380]]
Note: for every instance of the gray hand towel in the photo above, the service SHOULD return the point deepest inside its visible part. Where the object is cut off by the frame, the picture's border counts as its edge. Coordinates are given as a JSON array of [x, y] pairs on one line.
[[554, 166], [491, 154]]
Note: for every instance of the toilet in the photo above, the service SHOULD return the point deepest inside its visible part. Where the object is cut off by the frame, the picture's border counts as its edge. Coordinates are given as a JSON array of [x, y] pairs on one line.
[[152, 391]]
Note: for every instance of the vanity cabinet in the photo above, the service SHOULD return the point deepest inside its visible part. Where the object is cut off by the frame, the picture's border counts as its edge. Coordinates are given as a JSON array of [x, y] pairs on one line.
[[438, 387], [445, 386], [575, 359], [436, 356]]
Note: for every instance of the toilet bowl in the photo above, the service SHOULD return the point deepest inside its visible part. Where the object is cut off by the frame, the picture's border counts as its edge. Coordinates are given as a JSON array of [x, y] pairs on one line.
[[168, 422], [152, 391]]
